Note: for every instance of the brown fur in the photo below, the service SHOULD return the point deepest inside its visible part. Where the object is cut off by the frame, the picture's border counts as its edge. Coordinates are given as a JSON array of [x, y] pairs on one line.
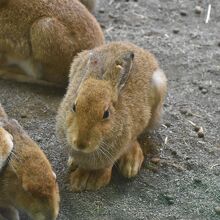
[[108, 77], [28, 182], [43, 38], [90, 4]]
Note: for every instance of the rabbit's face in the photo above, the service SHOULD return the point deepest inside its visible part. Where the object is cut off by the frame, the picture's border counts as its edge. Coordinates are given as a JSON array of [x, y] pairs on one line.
[[93, 120], [92, 116], [40, 205]]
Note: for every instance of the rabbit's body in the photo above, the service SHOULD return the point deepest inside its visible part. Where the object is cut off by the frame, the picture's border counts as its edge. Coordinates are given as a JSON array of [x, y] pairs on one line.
[[42, 37], [27, 180], [134, 100]]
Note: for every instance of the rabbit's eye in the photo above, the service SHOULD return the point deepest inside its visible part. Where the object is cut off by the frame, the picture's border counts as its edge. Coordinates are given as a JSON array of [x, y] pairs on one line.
[[74, 108], [106, 114]]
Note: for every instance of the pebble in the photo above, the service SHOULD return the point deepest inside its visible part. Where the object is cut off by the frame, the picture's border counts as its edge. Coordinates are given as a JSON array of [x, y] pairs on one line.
[[102, 26], [112, 15], [198, 9], [196, 128], [217, 210], [155, 160], [23, 115], [186, 112], [169, 199], [168, 124], [201, 87], [183, 13], [197, 180], [204, 91], [176, 31], [102, 10], [173, 152], [200, 133], [38, 139]]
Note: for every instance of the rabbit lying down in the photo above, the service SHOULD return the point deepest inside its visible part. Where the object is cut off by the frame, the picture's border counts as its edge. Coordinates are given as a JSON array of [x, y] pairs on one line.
[[42, 37], [27, 181], [115, 92]]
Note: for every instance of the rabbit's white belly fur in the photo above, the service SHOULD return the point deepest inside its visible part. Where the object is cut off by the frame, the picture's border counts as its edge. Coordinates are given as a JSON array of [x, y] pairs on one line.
[[8, 141], [27, 66]]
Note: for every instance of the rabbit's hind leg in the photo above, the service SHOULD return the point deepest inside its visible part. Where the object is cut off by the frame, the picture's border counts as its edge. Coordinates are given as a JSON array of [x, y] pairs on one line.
[[15, 73], [159, 85], [53, 46]]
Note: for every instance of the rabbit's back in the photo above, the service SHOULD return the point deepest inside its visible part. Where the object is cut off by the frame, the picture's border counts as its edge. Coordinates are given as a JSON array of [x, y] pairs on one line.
[[18, 16]]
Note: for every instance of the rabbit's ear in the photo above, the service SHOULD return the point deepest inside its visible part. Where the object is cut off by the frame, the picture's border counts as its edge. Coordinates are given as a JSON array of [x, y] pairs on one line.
[[95, 64], [122, 70]]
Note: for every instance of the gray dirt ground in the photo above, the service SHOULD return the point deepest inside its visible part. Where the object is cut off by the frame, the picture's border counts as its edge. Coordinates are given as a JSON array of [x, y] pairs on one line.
[[186, 184]]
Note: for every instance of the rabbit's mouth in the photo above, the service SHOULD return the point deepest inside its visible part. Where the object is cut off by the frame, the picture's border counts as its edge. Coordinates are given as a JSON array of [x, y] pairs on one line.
[[85, 150]]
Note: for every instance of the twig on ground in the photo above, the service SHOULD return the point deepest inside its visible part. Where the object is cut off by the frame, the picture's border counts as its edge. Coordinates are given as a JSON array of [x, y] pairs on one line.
[[110, 2], [165, 140], [208, 14], [213, 166]]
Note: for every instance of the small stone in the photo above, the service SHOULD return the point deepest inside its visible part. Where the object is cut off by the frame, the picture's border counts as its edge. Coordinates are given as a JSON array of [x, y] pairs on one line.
[[168, 124], [176, 31], [204, 91], [186, 112], [169, 199], [200, 133], [201, 87], [183, 13], [174, 153], [197, 181], [38, 139], [102, 26], [112, 15], [198, 9], [102, 10], [217, 210], [23, 115], [196, 128], [155, 160]]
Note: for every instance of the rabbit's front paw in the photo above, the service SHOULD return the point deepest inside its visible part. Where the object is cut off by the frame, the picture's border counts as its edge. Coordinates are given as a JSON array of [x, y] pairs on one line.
[[130, 163], [81, 179]]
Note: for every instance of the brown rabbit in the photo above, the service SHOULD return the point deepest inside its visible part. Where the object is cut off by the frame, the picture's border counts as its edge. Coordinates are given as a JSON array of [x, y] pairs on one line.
[[90, 4], [27, 180], [42, 37], [115, 92]]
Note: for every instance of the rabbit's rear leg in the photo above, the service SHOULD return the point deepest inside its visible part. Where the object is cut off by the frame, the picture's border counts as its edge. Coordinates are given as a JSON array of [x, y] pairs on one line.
[[81, 179], [52, 43], [159, 85], [130, 163], [9, 73]]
